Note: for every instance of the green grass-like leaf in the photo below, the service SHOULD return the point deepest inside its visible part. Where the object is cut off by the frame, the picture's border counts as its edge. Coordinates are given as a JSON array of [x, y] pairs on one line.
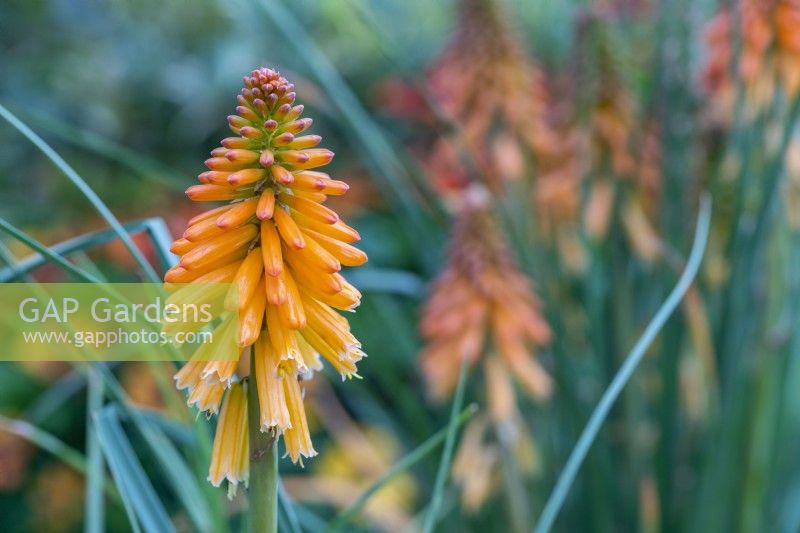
[[136, 490]]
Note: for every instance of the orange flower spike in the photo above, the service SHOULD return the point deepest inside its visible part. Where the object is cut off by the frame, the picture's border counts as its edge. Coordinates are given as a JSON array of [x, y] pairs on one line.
[[278, 272], [468, 303]]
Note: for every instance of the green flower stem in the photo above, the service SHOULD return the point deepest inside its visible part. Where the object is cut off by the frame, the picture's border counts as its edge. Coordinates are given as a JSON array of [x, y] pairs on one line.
[[263, 492], [447, 454]]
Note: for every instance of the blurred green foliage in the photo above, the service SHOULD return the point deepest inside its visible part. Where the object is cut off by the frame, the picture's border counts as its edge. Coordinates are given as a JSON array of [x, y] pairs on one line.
[[134, 94]]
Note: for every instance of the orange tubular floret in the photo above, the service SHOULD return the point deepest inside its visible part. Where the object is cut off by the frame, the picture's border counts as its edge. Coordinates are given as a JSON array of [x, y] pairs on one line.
[[214, 193], [339, 231], [226, 244], [246, 280], [252, 317], [203, 230], [310, 209], [181, 246], [276, 289], [215, 177], [319, 257], [346, 254], [306, 141], [309, 180], [213, 213], [292, 312], [281, 175], [240, 213], [266, 205], [288, 229], [271, 249], [246, 176]]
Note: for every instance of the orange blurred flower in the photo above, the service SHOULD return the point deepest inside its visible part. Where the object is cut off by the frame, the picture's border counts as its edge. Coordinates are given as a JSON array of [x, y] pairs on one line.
[[769, 55], [482, 302], [484, 82]]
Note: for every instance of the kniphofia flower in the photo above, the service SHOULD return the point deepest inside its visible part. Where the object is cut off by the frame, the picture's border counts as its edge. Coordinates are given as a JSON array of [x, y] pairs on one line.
[[282, 249], [605, 154], [769, 55], [483, 309], [484, 82], [482, 302]]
